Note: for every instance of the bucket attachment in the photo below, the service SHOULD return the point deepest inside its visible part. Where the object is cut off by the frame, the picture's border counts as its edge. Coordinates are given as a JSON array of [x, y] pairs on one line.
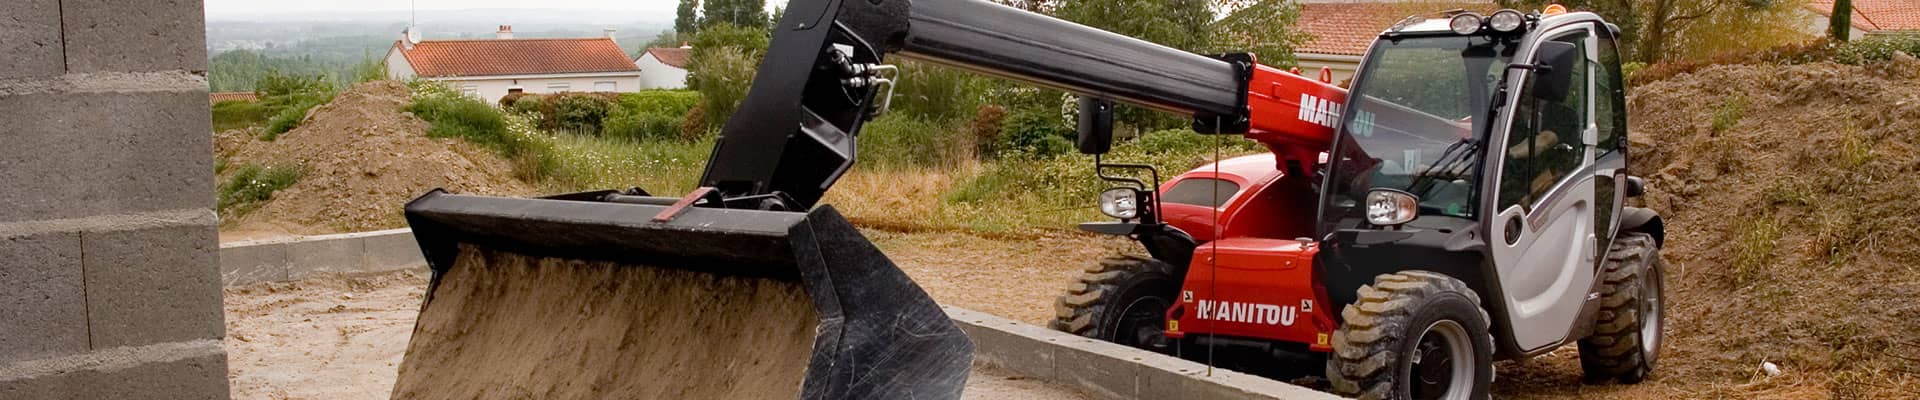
[[586, 296]]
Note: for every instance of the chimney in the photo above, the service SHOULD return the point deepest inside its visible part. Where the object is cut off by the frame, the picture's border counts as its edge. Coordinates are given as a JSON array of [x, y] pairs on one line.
[[608, 31], [506, 32], [409, 37]]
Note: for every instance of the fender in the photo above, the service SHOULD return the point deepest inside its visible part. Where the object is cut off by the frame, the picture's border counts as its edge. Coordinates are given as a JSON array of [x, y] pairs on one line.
[[1163, 241], [1636, 219]]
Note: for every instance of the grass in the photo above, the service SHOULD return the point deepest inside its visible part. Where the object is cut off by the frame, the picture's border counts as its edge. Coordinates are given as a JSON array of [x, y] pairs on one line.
[[238, 114], [252, 185], [1729, 113], [1753, 250]]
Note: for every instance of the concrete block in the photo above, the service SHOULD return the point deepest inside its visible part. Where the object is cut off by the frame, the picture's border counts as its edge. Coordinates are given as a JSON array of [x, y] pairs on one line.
[[199, 377], [134, 35], [244, 263], [391, 250], [1167, 378], [43, 305], [1104, 369], [153, 284], [332, 254], [30, 37], [1008, 344], [143, 151]]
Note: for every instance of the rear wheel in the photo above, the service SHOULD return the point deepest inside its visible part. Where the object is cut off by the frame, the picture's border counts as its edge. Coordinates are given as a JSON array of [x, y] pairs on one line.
[[1628, 329], [1413, 335], [1121, 299]]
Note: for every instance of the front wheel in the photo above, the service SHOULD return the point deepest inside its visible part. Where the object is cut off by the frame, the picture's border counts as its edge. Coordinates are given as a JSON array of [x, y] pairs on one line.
[[1121, 299], [1413, 335], [1627, 330]]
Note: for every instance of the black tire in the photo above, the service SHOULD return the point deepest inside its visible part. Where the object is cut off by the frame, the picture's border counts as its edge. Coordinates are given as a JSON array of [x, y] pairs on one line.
[[1627, 331], [1121, 299], [1382, 349]]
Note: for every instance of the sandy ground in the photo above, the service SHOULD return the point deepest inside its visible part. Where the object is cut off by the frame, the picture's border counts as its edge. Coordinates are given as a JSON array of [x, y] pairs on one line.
[[343, 337]]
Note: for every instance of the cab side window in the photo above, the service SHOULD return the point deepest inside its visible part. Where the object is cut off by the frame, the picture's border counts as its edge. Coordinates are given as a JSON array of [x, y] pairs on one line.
[[1544, 144]]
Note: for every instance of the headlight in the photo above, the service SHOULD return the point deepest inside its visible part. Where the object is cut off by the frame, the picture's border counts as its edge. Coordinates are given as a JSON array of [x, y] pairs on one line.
[[1120, 203], [1506, 21], [1465, 23], [1388, 207]]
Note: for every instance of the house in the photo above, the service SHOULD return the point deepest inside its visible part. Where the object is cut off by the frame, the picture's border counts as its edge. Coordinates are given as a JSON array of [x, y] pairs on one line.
[[492, 68], [1870, 17], [1342, 30], [664, 67]]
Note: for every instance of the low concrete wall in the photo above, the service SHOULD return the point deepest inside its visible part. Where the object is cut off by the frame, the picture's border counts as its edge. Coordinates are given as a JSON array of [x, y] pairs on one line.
[[1102, 369], [291, 259], [1108, 370]]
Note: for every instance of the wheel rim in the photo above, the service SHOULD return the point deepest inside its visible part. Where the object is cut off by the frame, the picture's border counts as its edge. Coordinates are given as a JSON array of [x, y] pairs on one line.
[[1140, 323], [1650, 312], [1442, 363]]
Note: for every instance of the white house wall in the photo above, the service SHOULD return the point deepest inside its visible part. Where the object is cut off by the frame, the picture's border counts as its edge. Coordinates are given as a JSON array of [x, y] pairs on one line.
[[397, 66], [492, 89], [657, 75]]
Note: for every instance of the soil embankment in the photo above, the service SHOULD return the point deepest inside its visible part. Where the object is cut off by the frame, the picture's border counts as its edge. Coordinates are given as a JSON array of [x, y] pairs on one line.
[[361, 158]]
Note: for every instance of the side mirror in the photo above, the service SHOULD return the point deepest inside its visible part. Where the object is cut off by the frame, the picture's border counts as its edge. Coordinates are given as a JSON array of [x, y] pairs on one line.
[[1553, 75], [1096, 126]]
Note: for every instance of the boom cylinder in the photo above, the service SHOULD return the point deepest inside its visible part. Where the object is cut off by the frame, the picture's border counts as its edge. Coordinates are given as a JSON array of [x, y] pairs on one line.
[[1019, 45]]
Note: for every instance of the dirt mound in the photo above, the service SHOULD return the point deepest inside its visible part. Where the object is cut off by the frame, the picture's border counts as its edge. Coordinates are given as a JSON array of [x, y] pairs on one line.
[[1792, 222], [361, 158], [508, 326]]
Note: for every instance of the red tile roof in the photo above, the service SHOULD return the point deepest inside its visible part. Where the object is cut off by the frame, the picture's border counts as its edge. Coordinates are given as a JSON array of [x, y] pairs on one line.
[[480, 57], [1877, 15], [1347, 28], [672, 56]]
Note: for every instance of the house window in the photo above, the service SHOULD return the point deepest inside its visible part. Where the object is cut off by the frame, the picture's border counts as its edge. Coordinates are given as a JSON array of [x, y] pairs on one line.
[[606, 86], [470, 89], [558, 87]]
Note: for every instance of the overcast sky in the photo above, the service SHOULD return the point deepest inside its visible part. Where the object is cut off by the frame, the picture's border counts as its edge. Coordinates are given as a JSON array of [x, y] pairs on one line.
[[244, 8]]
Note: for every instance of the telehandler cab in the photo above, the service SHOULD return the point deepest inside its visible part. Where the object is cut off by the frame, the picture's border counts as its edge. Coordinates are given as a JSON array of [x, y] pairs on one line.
[[1469, 207]]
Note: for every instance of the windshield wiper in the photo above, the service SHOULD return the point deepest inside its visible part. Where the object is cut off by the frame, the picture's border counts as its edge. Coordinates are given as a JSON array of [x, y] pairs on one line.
[[1450, 161]]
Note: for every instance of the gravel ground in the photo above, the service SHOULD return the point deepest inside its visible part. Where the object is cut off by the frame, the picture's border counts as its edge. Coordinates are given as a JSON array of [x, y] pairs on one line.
[[343, 337]]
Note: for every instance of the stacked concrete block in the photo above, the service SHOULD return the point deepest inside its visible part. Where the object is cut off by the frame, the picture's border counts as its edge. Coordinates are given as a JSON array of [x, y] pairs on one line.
[[109, 271]]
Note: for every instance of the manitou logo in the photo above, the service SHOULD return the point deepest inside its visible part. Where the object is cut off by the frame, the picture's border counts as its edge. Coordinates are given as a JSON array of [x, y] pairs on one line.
[[1319, 111], [1248, 313]]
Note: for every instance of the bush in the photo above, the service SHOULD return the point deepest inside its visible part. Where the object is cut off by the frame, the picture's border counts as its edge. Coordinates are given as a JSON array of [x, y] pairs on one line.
[[580, 113], [252, 185], [506, 102], [453, 115], [530, 104], [985, 127], [286, 99], [652, 114], [721, 67], [235, 114], [1035, 133], [1876, 48], [905, 140]]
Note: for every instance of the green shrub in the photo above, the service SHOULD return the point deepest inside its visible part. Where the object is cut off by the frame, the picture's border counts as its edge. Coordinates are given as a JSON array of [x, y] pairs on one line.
[[721, 67], [648, 115], [905, 140], [235, 114], [1035, 133], [1627, 69], [529, 104], [1876, 48], [252, 185], [1729, 113], [580, 113], [463, 117]]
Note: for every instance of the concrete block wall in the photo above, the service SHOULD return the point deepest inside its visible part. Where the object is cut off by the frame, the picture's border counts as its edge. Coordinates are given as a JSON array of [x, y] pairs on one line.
[[109, 272]]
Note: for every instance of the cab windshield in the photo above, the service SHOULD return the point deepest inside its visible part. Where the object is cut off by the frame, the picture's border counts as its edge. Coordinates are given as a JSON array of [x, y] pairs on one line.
[[1418, 113]]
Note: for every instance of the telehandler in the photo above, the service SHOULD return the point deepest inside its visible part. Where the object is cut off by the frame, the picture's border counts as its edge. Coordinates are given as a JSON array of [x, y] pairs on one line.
[[748, 288], [1464, 203]]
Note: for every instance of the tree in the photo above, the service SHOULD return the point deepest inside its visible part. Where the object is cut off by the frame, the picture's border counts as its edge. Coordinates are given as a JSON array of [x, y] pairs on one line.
[[750, 14], [1262, 28], [778, 13], [1840, 24], [1655, 30], [685, 21]]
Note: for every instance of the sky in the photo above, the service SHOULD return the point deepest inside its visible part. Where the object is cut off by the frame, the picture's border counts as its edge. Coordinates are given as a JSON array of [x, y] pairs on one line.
[[245, 8]]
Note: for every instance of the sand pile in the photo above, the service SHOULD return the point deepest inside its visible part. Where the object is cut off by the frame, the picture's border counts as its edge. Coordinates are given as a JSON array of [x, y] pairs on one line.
[[506, 326], [1793, 223], [362, 157]]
